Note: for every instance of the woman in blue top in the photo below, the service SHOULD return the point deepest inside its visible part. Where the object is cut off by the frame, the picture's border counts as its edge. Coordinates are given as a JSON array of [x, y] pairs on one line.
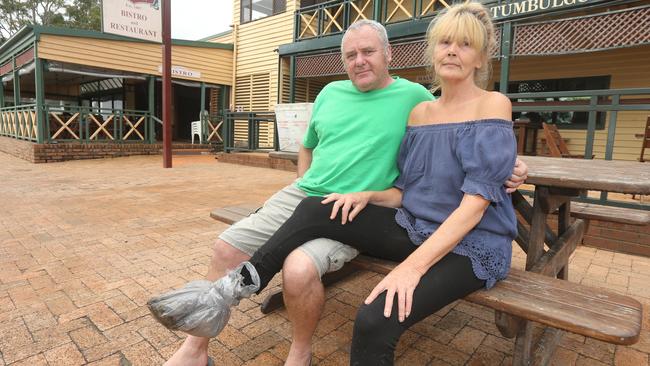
[[448, 219]]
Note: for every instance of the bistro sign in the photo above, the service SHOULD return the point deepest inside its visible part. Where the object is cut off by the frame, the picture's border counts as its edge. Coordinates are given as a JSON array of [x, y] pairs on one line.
[[133, 18], [520, 8], [180, 71]]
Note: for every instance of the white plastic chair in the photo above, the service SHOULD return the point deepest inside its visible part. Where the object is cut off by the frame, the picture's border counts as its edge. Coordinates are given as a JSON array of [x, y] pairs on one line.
[[197, 130]]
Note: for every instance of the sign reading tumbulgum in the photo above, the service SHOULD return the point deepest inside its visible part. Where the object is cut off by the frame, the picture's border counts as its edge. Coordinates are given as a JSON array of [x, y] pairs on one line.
[[514, 9], [133, 18]]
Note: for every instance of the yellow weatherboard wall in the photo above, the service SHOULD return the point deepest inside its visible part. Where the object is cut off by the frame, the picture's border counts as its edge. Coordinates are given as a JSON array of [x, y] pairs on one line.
[[256, 70], [256, 43], [215, 65]]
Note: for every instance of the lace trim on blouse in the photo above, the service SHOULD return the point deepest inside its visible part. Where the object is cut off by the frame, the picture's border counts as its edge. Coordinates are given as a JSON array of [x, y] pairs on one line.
[[488, 264]]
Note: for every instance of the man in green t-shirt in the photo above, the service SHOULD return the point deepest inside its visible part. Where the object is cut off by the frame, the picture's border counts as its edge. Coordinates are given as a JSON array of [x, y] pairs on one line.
[[351, 145]]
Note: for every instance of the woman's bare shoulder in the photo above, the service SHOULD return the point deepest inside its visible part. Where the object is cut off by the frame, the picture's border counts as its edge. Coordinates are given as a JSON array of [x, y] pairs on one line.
[[495, 105], [420, 112]]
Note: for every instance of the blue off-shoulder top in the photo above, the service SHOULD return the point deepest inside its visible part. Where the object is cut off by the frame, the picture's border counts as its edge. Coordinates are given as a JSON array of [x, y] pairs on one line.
[[438, 164]]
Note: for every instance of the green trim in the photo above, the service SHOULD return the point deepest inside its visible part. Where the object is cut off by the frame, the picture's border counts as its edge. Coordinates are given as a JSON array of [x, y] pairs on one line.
[[315, 44], [398, 30], [202, 98], [591, 127], [151, 90], [410, 28], [206, 39], [182, 42], [611, 129], [2, 95], [35, 31], [292, 79], [40, 99], [376, 10], [506, 42], [21, 40], [226, 127], [16, 82]]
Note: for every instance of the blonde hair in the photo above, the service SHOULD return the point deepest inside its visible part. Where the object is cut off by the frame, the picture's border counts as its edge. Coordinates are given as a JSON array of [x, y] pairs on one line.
[[469, 22]]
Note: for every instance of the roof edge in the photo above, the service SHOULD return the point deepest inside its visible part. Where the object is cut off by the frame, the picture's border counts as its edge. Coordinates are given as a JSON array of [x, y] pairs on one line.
[[85, 33], [208, 38]]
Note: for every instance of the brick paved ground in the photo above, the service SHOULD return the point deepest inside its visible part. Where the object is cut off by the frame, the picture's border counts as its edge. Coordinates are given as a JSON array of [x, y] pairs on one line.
[[84, 244]]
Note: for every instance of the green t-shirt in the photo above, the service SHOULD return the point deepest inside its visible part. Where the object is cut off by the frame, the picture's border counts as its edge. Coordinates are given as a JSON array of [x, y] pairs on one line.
[[355, 136]]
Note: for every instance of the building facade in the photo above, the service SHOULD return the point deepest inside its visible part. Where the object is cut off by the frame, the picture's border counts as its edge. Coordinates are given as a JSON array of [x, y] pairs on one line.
[[550, 53], [98, 94]]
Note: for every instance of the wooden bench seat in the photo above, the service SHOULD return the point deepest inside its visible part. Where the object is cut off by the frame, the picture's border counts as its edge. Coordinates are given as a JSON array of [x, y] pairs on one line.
[[590, 211], [623, 215], [589, 311], [232, 214], [560, 304]]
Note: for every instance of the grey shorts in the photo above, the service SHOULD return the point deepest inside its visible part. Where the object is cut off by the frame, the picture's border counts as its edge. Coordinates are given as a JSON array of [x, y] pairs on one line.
[[252, 232]]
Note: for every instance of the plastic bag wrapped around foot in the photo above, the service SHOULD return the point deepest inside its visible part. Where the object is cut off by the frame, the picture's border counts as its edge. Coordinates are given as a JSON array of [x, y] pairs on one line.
[[202, 308]]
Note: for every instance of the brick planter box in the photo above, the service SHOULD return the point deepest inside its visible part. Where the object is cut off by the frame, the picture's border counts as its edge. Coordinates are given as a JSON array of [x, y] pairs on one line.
[[48, 153]]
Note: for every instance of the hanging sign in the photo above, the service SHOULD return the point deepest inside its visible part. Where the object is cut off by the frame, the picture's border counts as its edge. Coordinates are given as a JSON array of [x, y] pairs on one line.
[[133, 18], [518, 8]]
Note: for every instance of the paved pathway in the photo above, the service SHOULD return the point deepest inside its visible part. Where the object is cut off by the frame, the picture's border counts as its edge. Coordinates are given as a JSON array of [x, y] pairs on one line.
[[84, 244]]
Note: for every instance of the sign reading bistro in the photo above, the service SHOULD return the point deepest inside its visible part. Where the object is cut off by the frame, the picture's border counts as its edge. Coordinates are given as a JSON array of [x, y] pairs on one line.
[[518, 8], [133, 18], [182, 72]]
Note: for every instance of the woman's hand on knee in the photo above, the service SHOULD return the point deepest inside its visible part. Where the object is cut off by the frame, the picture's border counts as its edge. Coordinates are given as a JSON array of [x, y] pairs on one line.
[[401, 281], [350, 204]]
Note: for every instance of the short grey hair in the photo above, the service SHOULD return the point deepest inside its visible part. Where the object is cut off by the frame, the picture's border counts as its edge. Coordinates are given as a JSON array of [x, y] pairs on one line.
[[376, 26]]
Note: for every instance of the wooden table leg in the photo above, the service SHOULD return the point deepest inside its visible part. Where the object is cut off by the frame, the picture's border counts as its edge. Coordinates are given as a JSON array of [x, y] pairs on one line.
[[537, 229], [523, 345], [552, 262], [563, 223]]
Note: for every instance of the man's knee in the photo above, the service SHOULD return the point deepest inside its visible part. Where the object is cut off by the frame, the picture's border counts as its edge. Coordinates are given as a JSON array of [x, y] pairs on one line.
[[299, 272], [312, 207], [227, 256]]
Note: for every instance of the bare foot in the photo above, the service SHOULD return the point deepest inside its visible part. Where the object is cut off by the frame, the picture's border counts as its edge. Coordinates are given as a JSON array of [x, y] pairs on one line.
[[193, 352]]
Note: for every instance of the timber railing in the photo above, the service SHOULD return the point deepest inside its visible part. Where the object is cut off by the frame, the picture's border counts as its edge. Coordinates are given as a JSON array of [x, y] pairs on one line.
[[249, 131], [76, 123], [88, 124], [19, 122], [605, 104], [334, 17]]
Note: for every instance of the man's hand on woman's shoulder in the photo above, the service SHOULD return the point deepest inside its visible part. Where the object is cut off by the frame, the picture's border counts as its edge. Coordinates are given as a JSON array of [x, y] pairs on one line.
[[519, 175]]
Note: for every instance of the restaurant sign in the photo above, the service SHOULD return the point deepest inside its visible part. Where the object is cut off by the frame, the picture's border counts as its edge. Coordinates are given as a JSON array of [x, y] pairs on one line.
[[520, 8], [180, 71], [133, 18]]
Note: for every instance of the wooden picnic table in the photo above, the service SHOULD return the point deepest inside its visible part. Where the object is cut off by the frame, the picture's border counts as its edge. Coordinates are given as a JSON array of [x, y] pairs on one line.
[[556, 181], [589, 174]]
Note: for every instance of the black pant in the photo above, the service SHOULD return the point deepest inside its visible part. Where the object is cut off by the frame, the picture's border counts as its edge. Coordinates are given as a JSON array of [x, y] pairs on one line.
[[374, 232]]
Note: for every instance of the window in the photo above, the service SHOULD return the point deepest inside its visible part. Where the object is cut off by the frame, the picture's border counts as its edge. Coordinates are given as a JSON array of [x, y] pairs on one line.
[[256, 9], [564, 120]]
